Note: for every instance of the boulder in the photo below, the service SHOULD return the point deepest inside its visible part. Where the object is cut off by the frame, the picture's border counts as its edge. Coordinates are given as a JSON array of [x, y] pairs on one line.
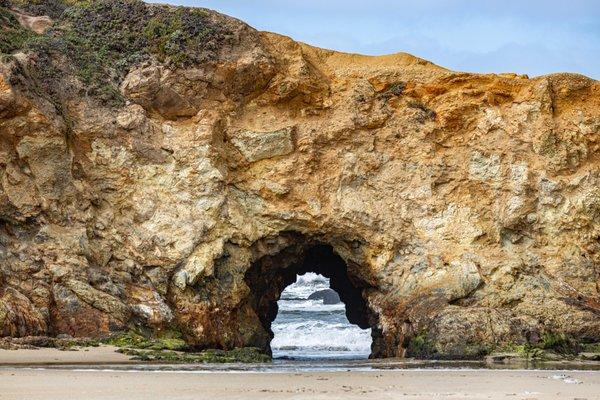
[[329, 296]]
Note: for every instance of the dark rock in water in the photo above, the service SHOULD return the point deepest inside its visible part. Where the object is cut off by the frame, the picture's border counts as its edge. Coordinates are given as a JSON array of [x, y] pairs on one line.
[[329, 296]]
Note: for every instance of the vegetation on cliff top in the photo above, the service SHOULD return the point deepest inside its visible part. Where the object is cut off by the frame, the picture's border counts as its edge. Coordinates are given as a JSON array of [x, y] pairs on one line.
[[12, 35], [99, 41]]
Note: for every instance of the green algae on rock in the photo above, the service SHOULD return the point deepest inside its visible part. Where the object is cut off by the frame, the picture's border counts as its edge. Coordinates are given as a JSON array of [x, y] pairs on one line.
[[34, 342], [238, 355], [134, 340], [170, 347]]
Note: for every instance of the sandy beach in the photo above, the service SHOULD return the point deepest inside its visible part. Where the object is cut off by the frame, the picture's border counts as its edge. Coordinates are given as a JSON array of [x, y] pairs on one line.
[[48, 374], [49, 356], [33, 384]]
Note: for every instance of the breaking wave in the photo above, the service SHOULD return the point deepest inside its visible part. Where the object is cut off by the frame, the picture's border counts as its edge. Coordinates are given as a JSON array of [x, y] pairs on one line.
[[310, 329]]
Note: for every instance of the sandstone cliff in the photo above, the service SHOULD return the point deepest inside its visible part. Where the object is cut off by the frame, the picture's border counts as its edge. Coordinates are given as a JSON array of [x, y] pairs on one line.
[[168, 168]]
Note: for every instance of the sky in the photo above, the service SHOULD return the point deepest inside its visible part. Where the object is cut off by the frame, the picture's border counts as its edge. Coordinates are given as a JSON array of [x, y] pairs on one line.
[[533, 37]]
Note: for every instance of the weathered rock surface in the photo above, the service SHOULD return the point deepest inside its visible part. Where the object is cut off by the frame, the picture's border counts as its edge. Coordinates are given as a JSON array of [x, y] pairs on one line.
[[463, 207]]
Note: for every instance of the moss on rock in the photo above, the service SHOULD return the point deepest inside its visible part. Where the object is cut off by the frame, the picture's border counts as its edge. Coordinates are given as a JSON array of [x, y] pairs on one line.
[[135, 340], [590, 347], [240, 355], [423, 346], [551, 347], [170, 347], [559, 343], [33, 342], [420, 346]]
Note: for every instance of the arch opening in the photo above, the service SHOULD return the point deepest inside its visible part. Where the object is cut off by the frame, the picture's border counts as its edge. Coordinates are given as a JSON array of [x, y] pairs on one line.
[[312, 323], [271, 274]]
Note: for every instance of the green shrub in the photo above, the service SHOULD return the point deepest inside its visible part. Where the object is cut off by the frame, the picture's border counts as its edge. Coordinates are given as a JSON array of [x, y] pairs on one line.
[[51, 8], [13, 36], [99, 41]]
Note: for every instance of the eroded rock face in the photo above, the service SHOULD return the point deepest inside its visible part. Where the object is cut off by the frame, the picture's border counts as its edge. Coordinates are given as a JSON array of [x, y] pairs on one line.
[[464, 207]]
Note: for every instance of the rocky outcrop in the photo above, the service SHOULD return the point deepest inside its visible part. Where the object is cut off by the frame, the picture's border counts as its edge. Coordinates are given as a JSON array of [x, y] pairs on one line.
[[182, 184], [328, 296]]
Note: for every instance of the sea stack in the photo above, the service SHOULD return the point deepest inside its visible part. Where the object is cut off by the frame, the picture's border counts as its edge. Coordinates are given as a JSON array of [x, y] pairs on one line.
[[329, 296]]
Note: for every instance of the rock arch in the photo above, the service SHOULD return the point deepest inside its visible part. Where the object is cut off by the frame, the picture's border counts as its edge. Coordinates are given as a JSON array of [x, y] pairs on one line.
[[271, 274], [248, 281]]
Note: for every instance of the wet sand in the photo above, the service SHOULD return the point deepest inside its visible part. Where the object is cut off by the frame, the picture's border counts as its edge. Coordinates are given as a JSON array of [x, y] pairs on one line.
[[43, 374]]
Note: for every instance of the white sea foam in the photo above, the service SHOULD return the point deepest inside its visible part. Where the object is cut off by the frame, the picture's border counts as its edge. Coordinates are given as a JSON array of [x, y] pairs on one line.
[[310, 329], [309, 306], [305, 285], [311, 335]]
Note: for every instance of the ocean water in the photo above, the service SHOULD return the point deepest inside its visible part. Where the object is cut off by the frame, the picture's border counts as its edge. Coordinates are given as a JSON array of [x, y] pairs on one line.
[[308, 329]]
